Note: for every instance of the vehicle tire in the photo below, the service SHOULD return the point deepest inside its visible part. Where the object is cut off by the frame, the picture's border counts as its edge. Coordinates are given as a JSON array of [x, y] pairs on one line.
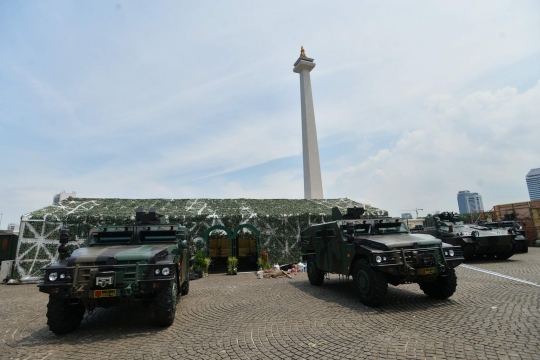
[[370, 284], [443, 287], [185, 287], [315, 275], [62, 317], [468, 251], [165, 305], [525, 248]]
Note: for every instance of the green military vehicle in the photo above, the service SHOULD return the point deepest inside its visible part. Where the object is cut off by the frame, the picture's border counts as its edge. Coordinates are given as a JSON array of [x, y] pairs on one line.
[[144, 262], [476, 240], [511, 225], [378, 252]]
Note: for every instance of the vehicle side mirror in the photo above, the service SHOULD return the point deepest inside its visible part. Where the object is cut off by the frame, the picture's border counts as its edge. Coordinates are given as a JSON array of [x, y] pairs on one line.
[[181, 239]]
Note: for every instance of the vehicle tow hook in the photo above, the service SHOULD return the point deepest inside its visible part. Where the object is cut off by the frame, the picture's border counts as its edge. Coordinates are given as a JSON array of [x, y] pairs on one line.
[[79, 291], [443, 267]]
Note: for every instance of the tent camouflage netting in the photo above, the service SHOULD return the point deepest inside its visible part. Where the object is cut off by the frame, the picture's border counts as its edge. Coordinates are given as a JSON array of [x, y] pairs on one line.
[[278, 220]]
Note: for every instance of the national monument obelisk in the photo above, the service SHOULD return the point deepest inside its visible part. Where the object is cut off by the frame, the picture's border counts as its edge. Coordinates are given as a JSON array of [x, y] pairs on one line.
[[312, 165]]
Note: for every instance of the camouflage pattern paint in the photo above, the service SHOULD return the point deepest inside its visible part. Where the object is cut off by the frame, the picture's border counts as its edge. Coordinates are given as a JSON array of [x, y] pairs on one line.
[[131, 267]]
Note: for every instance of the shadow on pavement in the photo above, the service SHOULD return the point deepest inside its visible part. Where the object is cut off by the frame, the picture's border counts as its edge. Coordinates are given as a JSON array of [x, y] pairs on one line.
[[483, 260], [399, 299], [113, 323]]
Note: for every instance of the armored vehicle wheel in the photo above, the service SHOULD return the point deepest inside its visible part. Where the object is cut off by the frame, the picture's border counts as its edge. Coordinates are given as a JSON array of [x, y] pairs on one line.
[[315, 275], [62, 317], [468, 251], [165, 305], [443, 287], [505, 255], [185, 287], [371, 285]]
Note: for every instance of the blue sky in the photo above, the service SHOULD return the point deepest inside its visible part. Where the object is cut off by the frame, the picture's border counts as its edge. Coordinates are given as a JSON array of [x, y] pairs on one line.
[[413, 100]]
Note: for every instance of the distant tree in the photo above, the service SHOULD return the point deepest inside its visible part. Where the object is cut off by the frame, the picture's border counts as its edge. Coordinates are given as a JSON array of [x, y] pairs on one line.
[[429, 221]]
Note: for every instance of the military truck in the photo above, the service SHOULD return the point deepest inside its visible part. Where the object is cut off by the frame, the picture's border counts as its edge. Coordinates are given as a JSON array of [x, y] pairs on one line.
[[378, 252], [145, 262], [475, 239]]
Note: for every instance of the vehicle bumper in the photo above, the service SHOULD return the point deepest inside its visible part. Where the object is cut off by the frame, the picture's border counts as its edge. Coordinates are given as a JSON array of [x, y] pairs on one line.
[[416, 265]]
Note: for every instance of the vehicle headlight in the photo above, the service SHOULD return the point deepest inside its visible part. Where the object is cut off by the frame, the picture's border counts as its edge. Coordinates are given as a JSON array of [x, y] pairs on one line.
[[165, 271], [156, 271], [451, 252], [378, 258], [384, 258], [53, 276], [62, 276], [446, 253]]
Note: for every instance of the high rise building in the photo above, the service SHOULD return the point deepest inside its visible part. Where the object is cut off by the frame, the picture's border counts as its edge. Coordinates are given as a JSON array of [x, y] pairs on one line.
[[475, 204], [462, 201], [533, 183], [469, 202]]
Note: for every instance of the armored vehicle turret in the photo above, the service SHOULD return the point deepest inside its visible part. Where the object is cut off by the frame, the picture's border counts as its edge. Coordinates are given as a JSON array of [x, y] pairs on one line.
[[476, 240], [142, 262], [378, 252]]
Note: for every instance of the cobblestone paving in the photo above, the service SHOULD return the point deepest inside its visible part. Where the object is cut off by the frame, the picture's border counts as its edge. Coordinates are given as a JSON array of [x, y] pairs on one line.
[[241, 317]]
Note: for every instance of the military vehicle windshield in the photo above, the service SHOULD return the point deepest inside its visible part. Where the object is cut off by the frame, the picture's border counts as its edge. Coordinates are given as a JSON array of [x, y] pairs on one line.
[[110, 238], [359, 229], [157, 236], [391, 228]]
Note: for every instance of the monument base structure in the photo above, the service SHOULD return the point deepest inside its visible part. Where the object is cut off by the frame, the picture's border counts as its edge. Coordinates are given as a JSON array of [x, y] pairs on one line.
[[275, 224]]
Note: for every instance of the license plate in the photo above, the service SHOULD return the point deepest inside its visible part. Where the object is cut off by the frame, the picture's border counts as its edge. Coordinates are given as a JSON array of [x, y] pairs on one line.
[[427, 271], [104, 293]]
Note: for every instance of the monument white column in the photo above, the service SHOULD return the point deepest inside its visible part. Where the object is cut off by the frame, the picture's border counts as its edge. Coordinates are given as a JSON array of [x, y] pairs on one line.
[[312, 166]]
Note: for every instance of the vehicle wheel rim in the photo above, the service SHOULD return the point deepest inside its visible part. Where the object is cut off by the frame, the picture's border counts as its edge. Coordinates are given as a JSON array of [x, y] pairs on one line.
[[363, 282]]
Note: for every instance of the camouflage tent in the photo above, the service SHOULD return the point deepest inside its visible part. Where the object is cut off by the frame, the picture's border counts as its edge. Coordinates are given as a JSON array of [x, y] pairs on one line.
[[277, 222]]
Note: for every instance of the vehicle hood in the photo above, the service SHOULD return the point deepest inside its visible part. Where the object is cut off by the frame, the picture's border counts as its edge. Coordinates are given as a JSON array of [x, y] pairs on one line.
[[394, 241], [148, 253]]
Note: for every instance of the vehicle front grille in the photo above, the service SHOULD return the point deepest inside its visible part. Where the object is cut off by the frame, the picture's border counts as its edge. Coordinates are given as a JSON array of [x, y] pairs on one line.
[[420, 257], [122, 273]]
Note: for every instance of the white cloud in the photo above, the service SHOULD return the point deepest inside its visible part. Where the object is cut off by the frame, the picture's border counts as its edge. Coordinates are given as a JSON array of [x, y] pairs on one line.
[[486, 143], [175, 99]]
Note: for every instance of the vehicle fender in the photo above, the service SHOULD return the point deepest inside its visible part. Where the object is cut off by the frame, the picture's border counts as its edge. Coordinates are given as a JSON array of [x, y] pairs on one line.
[[354, 260], [469, 240]]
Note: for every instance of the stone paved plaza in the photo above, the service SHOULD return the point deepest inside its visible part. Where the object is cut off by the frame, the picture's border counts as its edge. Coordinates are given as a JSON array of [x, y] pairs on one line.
[[241, 317]]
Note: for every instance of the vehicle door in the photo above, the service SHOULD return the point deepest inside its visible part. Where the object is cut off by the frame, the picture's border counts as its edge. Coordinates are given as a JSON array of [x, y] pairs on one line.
[[321, 247], [334, 241]]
